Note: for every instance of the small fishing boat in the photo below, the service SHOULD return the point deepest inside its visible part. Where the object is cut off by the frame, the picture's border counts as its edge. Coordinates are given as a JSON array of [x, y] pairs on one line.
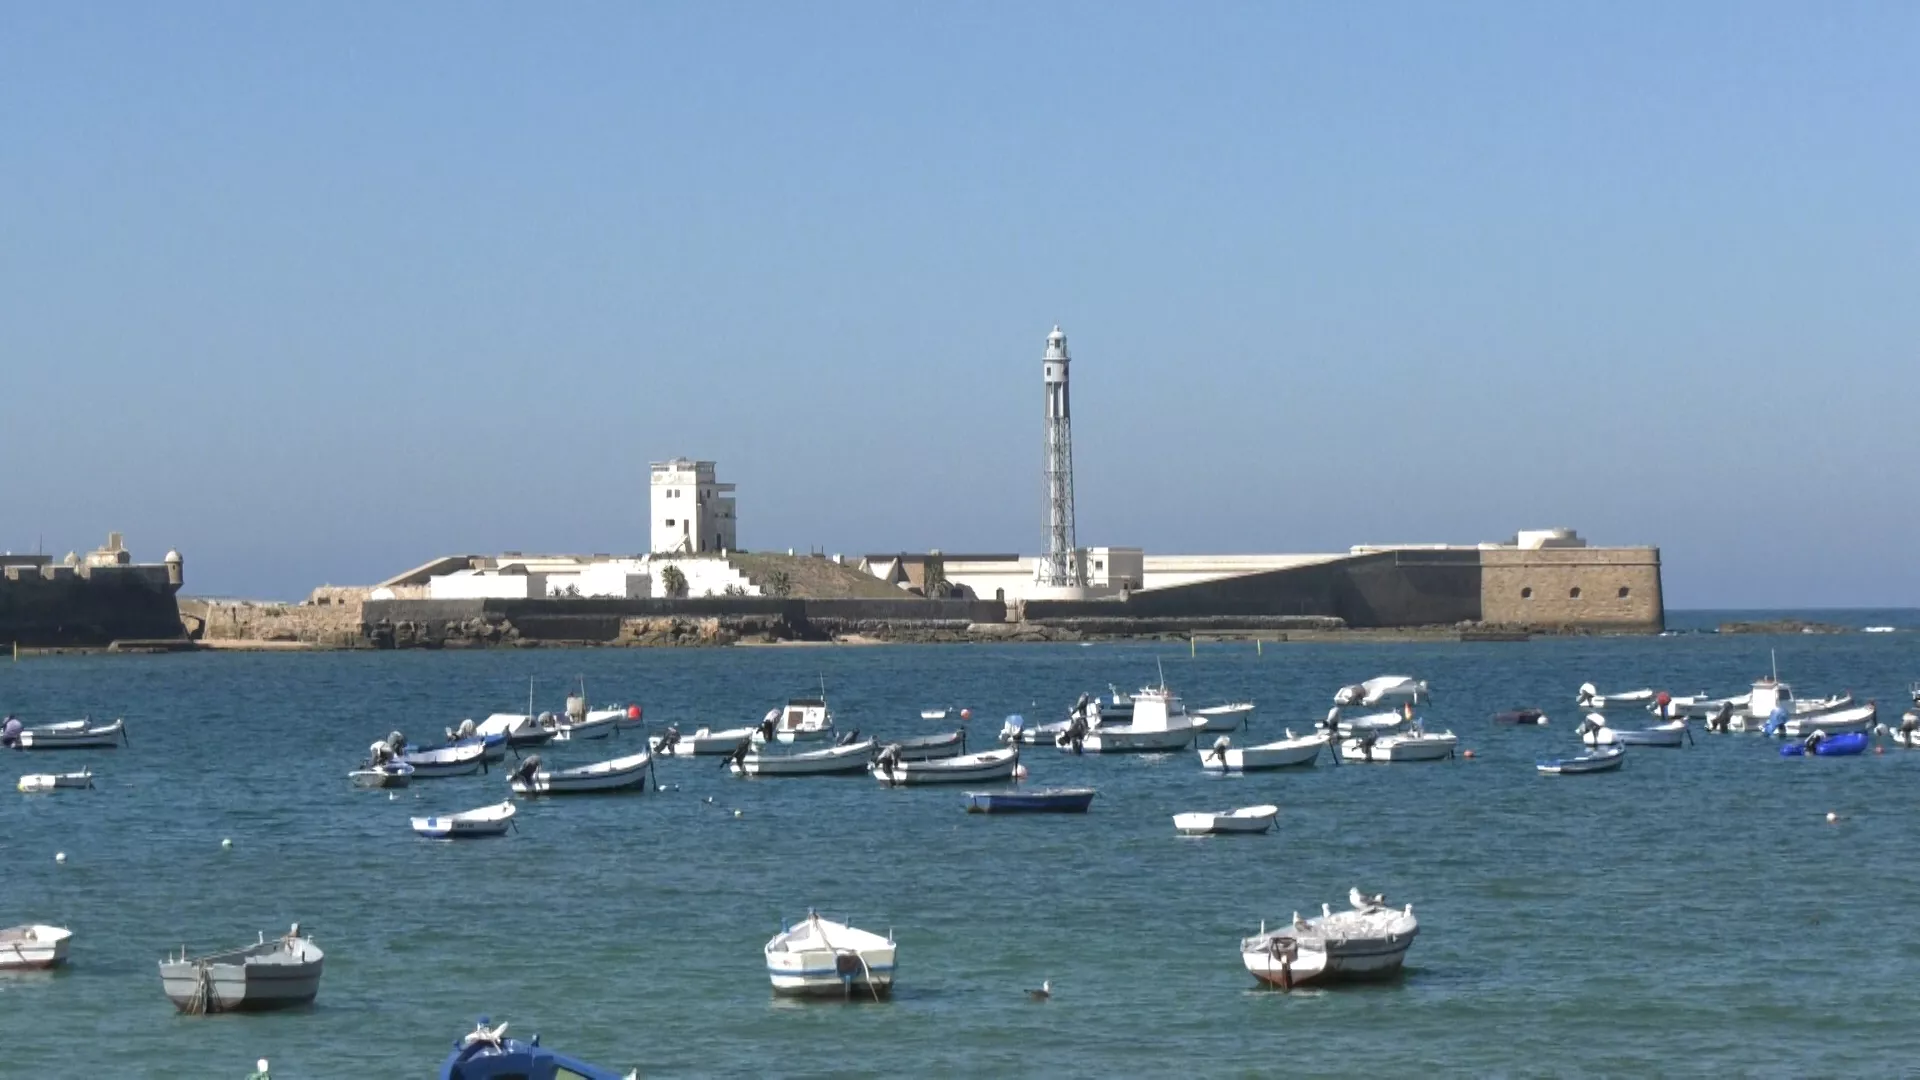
[[1224, 718], [1414, 744], [1383, 688], [1370, 941], [1247, 819], [834, 760], [1838, 722], [1602, 759], [1821, 744], [1160, 722], [55, 781], [704, 741], [486, 821], [467, 733], [280, 974], [521, 730], [1374, 723], [74, 735], [1016, 731], [462, 760], [1040, 801], [997, 764], [1592, 699], [945, 744], [1282, 959], [387, 774], [1223, 756], [618, 774], [33, 947], [487, 1054], [803, 720], [934, 714], [1521, 717], [1594, 731], [817, 956]]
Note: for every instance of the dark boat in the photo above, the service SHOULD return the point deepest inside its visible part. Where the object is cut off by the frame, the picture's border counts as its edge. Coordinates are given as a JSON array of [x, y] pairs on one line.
[[1041, 801], [1520, 716], [487, 1054]]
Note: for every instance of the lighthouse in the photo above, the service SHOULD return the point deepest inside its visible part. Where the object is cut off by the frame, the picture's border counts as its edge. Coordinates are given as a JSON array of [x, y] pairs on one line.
[[1060, 567]]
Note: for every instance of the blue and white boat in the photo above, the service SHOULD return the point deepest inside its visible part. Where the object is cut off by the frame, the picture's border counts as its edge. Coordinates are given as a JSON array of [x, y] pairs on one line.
[[1039, 801], [1603, 759], [817, 956], [486, 821], [1821, 744], [463, 760], [487, 1054]]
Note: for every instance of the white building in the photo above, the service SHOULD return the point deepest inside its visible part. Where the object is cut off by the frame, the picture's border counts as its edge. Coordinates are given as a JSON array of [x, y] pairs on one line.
[[691, 513]]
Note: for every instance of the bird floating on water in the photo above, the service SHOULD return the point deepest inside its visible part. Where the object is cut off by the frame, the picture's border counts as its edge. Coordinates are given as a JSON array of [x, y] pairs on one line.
[[1045, 993]]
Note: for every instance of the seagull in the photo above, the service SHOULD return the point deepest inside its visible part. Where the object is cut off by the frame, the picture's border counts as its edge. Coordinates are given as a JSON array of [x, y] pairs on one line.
[[1045, 993], [1365, 901], [1300, 923]]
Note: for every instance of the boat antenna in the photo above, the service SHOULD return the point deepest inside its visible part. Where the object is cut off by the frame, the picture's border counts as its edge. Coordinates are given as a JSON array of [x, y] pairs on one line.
[[1163, 672], [529, 696], [1774, 656]]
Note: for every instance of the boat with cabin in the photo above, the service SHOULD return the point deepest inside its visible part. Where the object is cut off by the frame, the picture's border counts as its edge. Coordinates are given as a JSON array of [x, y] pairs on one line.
[[1160, 722], [802, 720]]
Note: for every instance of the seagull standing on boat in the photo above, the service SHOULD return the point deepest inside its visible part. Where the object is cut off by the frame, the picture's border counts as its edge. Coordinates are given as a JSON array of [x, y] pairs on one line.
[[1365, 901], [1045, 993]]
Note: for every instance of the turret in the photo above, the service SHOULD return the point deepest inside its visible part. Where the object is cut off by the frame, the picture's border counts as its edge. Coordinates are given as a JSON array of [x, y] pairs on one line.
[[176, 576]]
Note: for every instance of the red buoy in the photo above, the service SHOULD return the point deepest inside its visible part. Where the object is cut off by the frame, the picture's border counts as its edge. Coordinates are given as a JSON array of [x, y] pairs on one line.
[[633, 712]]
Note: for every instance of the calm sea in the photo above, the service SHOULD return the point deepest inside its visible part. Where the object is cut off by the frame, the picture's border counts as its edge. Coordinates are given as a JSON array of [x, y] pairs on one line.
[[1691, 914]]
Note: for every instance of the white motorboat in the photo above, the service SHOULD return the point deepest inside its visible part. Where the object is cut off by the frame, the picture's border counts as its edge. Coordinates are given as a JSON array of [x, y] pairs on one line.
[[1370, 941], [1601, 759], [627, 773], [1160, 722], [703, 741], [818, 956], [1381, 689], [1594, 731], [1375, 723], [996, 764], [519, 729], [463, 759], [1016, 730], [74, 735], [944, 744], [280, 974], [1247, 819], [934, 714], [803, 720], [1908, 733], [1592, 699], [1225, 718], [486, 821], [834, 760], [1223, 756], [387, 774], [1283, 959], [1838, 722], [33, 947], [1700, 706], [1414, 744], [55, 781]]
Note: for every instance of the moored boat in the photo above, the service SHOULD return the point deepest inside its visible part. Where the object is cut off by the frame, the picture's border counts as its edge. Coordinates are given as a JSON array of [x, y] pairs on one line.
[[1224, 718], [1521, 717], [521, 730], [1373, 723], [1415, 744], [1247, 819], [1593, 700], [55, 781], [704, 741], [280, 974], [487, 1054], [1160, 722], [834, 760], [1369, 941], [1382, 689], [618, 774], [387, 774], [1838, 722], [996, 764], [1821, 744], [817, 956], [486, 821], [1037, 801], [463, 760], [74, 735], [1594, 731], [1223, 756], [33, 947], [802, 720], [945, 744], [1602, 759], [934, 714]]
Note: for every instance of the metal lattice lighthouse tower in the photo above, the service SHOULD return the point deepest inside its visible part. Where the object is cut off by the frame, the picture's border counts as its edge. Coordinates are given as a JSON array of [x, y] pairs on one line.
[[1060, 567]]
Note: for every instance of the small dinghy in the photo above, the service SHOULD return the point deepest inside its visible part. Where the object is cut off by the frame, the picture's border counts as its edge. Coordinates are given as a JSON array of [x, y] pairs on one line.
[[280, 974], [997, 764], [1247, 819], [1016, 731], [1225, 718], [464, 760], [1376, 723], [945, 744], [521, 730], [33, 947], [1223, 756], [1602, 759], [619, 774], [834, 760], [1283, 960], [1381, 689], [1414, 744], [1590, 698], [387, 774], [704, 741], [1595, 732], [486, 821], [74, 735], [487, 1054], [1821, 744], [1040, 801], [821, 957], [1368, 942], [55, 781], [934, 714], [1837, 722], [1521, 717]]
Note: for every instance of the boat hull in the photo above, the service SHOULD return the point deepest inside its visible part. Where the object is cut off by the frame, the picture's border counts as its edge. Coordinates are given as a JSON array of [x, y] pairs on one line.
[[1667, 735], [1067, 801], [389, 777], [1284, 962], [1601, 761], [1255, 820], [836, 761], [216, 985], [1223, 719], [55, 781], [973, 768], [1399, 750], [105, 737], [33, 948], [1290, 753], [703, 743], [1126, 739]]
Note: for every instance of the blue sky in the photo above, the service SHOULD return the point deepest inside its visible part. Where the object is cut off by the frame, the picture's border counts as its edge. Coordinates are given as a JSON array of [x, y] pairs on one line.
[[314, 292]]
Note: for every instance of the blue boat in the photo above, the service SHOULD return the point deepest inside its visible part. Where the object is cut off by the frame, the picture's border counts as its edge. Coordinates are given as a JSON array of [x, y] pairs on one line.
[[1603, 760], [1821, 745], [1040, 801], [487, 1054]]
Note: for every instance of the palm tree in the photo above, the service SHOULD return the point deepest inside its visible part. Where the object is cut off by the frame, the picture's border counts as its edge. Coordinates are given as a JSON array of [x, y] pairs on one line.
[[674, 582]]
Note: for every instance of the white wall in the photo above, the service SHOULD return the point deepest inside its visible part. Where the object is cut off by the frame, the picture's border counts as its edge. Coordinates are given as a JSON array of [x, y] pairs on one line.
[[621, 579], [480, 585], [710, 576]]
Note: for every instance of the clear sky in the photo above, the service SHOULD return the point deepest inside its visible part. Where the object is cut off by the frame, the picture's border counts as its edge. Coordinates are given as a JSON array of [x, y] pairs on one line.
[[316, 291]]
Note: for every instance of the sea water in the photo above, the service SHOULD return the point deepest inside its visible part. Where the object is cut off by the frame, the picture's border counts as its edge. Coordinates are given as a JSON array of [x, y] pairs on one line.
[[1692, 913]]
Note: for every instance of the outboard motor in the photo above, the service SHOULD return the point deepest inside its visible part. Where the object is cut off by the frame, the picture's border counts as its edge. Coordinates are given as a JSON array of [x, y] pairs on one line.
[[768, 724], [466, 729], [668, 740], [1775, 721], [1219, 752], [739, 754], [524, 772], [1075, 735], [1722, 718], [547, 720], [378, 754], [396, 741], [888, 757], [576, 708], [1814, 740]]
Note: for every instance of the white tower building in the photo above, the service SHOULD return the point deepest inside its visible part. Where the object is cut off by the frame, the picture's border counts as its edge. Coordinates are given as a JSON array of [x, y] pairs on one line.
[[1060, 567], [692, 511]]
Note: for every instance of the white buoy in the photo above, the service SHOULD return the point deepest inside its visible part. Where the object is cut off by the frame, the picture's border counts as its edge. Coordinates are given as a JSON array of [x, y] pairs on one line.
[[226, 842], [262, 1066], [1832, 817], [1019, 772], [736, 813], [59, 856]]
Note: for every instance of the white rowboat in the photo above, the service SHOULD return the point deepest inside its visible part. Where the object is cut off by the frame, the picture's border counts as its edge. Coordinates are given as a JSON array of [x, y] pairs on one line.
[[821, 957], [55, 781], [461, 760], [851, 758], [1223, 756], [618, 774], [1225, 718], [997, 764], [486, 821], [33, 947], [74, 735], [1415, 745], [1247, 819], [701, 742]]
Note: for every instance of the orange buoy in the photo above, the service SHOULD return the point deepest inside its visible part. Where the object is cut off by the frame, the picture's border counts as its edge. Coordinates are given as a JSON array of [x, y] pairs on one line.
[[633, 712], [1468, 754]]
